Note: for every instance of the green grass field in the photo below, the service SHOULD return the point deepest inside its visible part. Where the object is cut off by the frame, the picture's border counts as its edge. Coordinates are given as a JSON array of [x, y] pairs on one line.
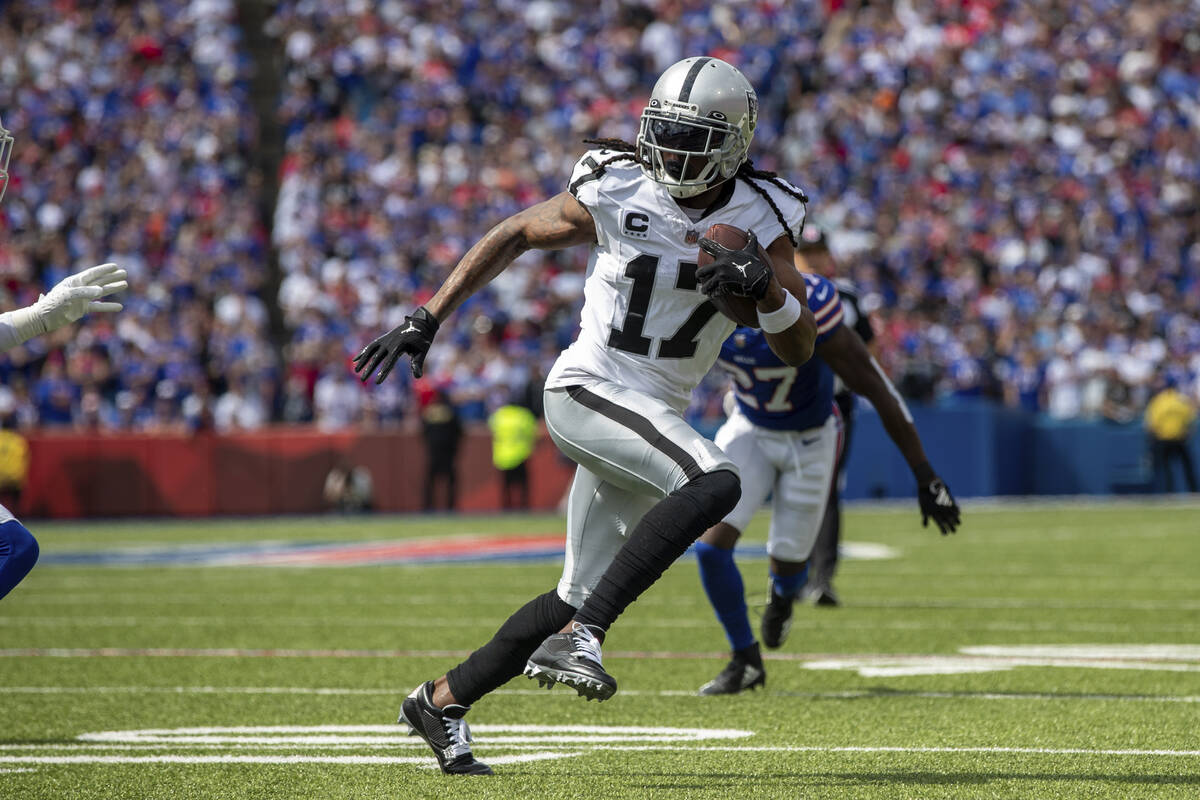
[[1043, 652]]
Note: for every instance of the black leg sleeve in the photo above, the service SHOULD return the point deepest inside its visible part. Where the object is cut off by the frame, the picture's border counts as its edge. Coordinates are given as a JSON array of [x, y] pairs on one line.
[[504, 657], [663, 535]]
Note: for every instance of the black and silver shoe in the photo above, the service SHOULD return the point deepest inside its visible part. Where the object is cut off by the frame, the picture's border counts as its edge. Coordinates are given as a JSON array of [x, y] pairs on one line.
[[777, 619], [739, 675], [443, 729], [574, 659]]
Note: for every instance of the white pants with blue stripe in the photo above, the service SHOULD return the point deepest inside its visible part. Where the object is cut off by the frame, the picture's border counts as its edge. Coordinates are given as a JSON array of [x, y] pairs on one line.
[[795, 467]]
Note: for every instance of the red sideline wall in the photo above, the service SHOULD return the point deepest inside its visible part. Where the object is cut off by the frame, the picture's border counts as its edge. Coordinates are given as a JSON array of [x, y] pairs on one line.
[[278, 471]]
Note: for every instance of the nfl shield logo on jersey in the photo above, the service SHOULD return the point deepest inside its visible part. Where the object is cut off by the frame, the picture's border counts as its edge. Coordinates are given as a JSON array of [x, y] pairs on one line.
[[691, 237]]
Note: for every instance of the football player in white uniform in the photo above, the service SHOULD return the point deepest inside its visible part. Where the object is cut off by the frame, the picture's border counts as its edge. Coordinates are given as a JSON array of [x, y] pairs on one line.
[[647, 484], [68, 301]]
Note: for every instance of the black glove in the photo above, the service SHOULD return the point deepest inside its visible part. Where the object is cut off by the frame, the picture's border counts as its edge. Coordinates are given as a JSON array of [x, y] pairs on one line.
[[738, 272], [936, 501], [412, 337]]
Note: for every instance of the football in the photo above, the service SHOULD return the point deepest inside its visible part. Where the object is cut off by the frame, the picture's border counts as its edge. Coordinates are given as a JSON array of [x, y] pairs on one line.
[[741, 310]]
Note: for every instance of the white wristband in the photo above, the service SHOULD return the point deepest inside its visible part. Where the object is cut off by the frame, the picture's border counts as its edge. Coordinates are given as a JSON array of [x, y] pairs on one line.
[[781, 318]]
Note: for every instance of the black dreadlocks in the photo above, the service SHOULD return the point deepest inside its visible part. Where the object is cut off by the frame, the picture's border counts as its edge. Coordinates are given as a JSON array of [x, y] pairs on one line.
[[747, 172]]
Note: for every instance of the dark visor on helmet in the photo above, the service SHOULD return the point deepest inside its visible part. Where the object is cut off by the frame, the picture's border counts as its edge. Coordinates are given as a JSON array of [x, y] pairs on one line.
[[680, 136]]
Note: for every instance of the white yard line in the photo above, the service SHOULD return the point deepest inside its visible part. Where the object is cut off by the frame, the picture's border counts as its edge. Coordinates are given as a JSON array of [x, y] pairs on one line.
[[1157, 658], [401, 742], [289, 759], [540, 755], [1021, 503], [304, 690], [399, 692], [516, 743], [1052, 751], [217, 622]]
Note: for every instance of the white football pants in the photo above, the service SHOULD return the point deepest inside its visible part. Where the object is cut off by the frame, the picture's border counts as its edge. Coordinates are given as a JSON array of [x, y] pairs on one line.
[[795, 467], [632, 451]]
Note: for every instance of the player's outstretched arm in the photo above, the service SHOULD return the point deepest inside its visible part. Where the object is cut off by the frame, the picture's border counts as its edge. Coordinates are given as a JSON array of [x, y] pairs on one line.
[[845, 352], [558, 223], [73, 297], [555, 224], [793, 345]]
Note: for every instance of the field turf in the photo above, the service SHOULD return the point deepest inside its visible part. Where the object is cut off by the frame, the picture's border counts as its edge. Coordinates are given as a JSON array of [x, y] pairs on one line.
[[1046, 651]]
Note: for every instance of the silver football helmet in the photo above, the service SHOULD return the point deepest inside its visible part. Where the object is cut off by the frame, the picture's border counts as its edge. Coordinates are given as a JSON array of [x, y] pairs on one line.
[[697, 127], [6, 147]]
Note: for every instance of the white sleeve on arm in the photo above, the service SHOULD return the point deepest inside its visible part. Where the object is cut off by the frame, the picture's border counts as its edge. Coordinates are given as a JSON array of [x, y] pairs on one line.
[[792, 209], [8, 332], [19, 326], [584, 186]]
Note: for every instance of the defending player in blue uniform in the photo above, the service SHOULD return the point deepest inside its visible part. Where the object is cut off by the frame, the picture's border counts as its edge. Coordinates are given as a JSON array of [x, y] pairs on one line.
[[784, 436]]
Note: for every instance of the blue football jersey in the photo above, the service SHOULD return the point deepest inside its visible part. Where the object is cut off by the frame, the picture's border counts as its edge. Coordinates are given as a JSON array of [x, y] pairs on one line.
[[770, 393]]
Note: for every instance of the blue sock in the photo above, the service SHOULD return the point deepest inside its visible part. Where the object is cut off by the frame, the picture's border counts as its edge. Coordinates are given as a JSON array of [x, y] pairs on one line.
[[723, 584], [18, 553], [789, 585]]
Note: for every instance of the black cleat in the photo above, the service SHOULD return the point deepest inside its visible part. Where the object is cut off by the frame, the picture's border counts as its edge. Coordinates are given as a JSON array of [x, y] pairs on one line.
[[574, 659], [443, 729], [739, 675], [777, 619]]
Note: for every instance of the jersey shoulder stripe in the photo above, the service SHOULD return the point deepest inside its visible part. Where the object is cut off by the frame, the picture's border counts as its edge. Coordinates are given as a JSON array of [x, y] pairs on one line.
[[771, 186], [822, 295], [594, 165], [830, 305], [825, 303], [793, 207], [596, 171], [831, 323]]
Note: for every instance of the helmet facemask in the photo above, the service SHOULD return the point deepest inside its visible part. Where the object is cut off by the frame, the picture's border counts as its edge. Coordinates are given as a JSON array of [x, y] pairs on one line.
[[6, 148], [685, 153]]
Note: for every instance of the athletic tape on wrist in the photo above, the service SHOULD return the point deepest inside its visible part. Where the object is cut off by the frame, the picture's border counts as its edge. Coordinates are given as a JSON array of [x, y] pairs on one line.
[[781, 318]]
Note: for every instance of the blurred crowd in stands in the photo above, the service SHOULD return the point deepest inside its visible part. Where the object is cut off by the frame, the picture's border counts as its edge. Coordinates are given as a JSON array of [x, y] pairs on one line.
[[132, 145], [1014, 186]]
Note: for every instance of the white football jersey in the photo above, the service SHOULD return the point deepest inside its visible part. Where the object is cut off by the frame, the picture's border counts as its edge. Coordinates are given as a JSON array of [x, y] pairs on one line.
[[645, 324]]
